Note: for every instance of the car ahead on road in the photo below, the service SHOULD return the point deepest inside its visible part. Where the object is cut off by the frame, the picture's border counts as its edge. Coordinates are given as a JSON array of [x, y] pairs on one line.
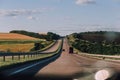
[[70, 50], [63, 50]]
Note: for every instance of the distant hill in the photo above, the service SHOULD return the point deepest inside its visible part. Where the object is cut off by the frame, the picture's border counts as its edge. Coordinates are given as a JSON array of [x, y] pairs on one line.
[[99, 42], [15, 36], [99, 36], [27, 33], [48, 36]]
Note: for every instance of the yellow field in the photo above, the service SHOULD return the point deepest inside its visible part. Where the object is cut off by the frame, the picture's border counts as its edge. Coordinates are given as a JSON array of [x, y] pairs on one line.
[[13, 42], [14, 36], [17, 47]]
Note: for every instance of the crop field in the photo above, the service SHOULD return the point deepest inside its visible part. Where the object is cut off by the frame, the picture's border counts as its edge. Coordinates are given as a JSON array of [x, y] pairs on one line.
[[14, 36], [21, 59], [16, 47], [12, 42], [20, 45]]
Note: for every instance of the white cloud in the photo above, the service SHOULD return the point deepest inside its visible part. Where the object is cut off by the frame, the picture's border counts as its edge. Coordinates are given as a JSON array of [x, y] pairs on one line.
[[32, 18], [81, 2], [18, 12]]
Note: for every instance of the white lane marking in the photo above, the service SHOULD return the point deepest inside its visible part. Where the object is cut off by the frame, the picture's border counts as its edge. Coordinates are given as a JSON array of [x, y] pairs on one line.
[[20, 70]]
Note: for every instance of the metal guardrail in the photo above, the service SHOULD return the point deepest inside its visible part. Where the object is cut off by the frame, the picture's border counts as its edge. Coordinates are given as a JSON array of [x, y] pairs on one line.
[[35, 53], [99, 56]]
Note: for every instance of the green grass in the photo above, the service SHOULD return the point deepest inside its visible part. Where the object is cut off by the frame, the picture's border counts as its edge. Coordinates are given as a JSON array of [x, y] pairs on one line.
[[9, 60], [48, 45], [95, 55], [16, 60], [72, 39]]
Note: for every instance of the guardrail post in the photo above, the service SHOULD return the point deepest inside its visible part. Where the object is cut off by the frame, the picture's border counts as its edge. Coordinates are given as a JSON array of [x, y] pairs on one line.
[[3, 58], [12, 57], [33, 55], [36, 55], [19, 57], [28, 55], [24, 56]]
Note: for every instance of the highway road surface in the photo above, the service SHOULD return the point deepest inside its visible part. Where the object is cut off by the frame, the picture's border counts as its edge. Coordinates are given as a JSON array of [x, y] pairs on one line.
[[67, 67], [53, 48]]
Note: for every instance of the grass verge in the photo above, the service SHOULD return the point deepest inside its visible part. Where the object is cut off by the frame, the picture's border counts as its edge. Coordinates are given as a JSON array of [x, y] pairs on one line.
[[9, 63]]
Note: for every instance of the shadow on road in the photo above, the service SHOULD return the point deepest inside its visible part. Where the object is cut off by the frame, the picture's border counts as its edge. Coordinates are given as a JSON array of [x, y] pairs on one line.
[[79, 76], [28, 74]]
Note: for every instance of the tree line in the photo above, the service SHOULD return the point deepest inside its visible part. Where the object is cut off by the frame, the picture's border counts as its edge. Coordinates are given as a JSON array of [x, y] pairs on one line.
[[99, 36], [96, 48], [48, 36], [96, 44]]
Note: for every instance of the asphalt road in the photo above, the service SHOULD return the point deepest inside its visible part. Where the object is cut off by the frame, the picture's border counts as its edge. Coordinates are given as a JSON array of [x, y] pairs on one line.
[[68, 67], [53, 48], [28, 70], [75, 66]]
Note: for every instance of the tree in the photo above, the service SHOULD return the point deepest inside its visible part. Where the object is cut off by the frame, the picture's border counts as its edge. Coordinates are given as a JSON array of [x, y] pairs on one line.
[[37, 46], [52, 36]]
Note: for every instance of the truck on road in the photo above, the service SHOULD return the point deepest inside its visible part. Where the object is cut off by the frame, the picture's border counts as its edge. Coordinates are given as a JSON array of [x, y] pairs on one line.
[[70, 50]]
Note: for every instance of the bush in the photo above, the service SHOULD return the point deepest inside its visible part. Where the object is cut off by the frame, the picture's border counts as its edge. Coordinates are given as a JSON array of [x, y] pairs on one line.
[[97, 47], [37, 46]]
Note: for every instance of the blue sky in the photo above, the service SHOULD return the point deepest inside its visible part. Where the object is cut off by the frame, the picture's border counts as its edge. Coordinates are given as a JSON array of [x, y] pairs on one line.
[[60, 16]]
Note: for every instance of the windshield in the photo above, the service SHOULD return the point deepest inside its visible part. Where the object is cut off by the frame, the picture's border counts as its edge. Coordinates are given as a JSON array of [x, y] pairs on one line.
[[59, 40]]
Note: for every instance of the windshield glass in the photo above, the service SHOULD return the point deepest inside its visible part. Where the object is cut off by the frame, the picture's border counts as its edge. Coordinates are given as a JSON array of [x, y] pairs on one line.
[[59, 40]]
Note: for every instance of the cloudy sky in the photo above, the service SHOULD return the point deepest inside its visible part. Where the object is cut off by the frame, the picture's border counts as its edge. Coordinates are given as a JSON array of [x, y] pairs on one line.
[[60, 16]]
